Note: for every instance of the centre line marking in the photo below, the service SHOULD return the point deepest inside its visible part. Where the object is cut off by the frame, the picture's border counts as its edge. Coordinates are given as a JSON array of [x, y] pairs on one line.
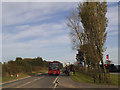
[[55, 85], [55, 82]]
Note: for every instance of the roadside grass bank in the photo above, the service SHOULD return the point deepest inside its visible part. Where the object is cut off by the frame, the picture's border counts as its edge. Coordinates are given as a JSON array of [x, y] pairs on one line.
[[114, 79], [1, 79], [82, 78], [14, 77], [22, 75]]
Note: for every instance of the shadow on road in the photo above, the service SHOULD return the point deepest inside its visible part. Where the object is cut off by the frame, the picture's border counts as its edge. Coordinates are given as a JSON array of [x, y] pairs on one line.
[[46, 74]]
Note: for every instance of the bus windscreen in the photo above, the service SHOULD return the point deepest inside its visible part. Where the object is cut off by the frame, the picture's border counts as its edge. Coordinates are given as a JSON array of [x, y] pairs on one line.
[[54, 66]]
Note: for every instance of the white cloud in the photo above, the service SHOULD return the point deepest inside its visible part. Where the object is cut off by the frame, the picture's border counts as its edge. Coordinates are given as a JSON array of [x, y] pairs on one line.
[[42, 30], [57, 0], [112, 15], [37, 47], [17, 13], [22, 27], [43, 39], [51, 36], [52, 40]]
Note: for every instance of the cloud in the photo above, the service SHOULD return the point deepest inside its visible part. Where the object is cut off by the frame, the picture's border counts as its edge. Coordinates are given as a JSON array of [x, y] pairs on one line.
[[112, 15], [29, 30], [42, 30], [35, 29], [49, 49], [58, 0], [48, 38], [21, 13]]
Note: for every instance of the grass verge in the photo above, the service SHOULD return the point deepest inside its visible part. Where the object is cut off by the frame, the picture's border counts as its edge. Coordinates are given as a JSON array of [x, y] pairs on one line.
[[9, 78], [114, 79], [82, 78], [21, 75], [79, 77]]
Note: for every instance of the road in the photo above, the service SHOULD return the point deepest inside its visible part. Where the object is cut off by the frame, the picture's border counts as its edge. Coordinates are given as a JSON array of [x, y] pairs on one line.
[[48, 81]]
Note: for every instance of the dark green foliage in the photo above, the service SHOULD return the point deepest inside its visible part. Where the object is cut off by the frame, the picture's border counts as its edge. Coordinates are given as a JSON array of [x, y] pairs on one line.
[[26, 65], [5, 70], [18, 58], [22, 66], [71, 67]]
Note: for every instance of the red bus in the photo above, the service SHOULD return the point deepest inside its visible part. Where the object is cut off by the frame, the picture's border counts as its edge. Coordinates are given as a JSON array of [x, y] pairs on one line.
[[53, 68]]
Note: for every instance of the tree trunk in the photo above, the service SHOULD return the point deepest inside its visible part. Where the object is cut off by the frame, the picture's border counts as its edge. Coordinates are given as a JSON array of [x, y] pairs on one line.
[[85, 62], [95, 74], [99, 73], [104, 69], [88, 67], [101, 59]]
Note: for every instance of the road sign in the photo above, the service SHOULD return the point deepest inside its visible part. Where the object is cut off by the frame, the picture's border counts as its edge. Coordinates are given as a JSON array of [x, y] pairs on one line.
[[107, 57]]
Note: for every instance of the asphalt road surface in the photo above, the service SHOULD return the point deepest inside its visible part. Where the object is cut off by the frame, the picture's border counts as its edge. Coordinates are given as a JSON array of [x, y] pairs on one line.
[[51, 81]]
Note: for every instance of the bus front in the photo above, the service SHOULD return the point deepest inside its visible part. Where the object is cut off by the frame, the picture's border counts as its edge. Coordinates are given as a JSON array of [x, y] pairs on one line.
[[54, 68]]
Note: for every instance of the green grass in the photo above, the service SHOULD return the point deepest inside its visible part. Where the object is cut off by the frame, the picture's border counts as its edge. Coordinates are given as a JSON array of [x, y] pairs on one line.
[[114, 79], [9, 78], [82, 78], [79, 77], [0, 79]]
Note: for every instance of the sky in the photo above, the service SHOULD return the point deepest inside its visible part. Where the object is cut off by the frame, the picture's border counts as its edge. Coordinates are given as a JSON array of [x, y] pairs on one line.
[[37, 29]]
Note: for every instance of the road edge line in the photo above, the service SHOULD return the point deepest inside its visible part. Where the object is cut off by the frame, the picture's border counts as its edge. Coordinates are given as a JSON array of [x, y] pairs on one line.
[[15, 80]]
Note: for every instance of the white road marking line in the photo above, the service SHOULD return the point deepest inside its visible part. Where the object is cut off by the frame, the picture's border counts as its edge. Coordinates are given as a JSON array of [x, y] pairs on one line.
[[55, 85], [29, 82], [54, 82]]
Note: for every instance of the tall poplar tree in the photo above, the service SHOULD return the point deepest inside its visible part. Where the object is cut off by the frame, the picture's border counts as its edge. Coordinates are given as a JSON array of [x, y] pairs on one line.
[[91, 39], [94, 21]]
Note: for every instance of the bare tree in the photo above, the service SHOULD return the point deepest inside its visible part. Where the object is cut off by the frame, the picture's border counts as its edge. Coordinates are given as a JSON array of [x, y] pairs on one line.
[[77, 33]]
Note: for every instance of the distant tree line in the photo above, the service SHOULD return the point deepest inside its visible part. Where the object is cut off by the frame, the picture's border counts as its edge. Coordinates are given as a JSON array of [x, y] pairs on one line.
[[26, 65]]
